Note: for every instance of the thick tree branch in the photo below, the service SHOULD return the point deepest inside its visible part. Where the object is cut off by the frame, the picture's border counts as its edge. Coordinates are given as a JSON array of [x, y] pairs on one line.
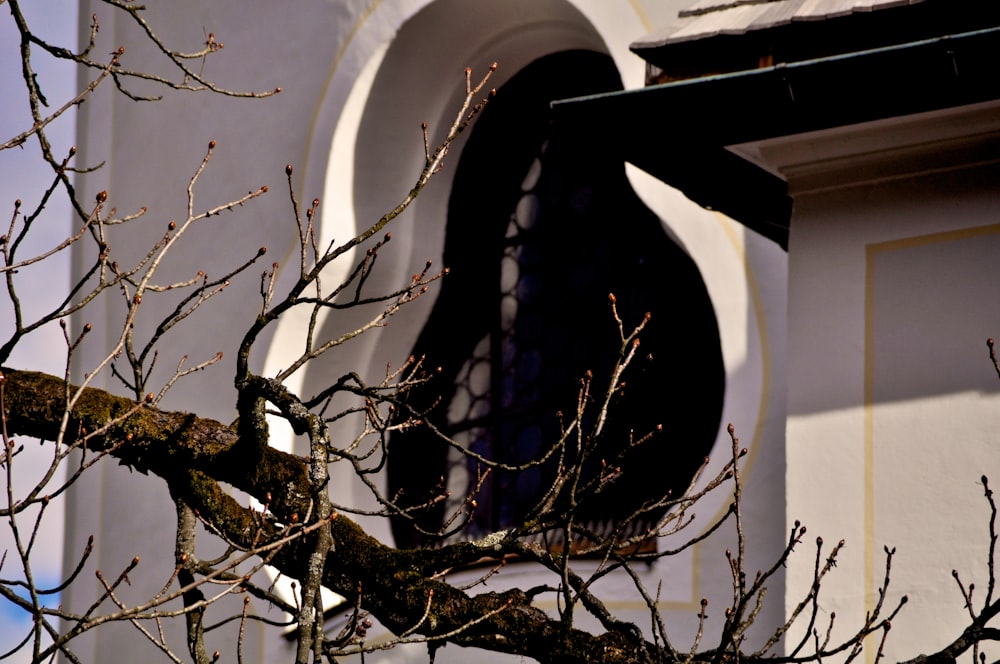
[[402, 588], [194, 454]]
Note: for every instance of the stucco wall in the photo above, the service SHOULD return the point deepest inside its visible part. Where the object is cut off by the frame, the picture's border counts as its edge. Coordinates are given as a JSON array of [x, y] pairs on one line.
[[892, 400], [351, 128]]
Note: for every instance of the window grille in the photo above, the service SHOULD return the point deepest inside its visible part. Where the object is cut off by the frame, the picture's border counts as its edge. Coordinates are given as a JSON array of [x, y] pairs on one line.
[[535, 240]]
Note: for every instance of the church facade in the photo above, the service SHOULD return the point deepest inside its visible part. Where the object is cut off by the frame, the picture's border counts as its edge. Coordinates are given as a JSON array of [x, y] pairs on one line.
[[826, 288]]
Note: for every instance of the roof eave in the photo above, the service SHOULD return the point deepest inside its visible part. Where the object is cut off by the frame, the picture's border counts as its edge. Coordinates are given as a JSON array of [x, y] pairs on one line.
[[679, 131]]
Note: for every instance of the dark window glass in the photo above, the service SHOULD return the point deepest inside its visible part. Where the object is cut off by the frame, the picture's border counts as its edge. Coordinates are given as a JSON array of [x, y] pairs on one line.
[[540, 229]]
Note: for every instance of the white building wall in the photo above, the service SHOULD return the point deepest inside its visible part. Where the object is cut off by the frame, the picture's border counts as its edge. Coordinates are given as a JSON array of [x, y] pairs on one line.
[[358, 152], [893, 404]]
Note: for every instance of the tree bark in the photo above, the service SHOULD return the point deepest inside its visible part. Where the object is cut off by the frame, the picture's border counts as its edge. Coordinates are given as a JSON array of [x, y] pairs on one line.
[[193, 455]]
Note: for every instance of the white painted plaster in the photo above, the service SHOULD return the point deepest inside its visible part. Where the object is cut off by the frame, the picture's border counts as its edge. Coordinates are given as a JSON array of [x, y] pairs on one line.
[[892, 401], [350, 125]]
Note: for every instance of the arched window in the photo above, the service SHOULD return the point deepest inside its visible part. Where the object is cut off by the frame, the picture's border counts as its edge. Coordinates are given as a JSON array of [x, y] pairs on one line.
[[540, 229]]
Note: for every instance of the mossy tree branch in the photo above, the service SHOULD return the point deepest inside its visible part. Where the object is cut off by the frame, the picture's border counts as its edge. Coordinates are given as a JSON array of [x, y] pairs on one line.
[[193, 455]]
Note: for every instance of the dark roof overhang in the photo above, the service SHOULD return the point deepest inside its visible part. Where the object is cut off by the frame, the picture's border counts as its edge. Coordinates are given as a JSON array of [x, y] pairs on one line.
[[680, 131]]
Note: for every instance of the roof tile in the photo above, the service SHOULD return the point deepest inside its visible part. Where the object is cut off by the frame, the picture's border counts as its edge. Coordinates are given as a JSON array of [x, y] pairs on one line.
[[707, 18]]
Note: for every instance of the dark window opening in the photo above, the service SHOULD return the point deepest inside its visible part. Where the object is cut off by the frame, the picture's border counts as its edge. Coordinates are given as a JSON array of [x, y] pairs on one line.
[[540, 229]]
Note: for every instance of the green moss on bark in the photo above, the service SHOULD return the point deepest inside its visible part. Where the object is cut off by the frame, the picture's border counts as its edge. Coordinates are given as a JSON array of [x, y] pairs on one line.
[[194, 455]]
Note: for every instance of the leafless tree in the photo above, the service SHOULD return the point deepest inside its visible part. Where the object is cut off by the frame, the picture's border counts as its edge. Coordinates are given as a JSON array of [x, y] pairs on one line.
[[294, 527]]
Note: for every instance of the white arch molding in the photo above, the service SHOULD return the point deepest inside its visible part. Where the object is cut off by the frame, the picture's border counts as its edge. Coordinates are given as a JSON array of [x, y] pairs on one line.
[[365, 148]]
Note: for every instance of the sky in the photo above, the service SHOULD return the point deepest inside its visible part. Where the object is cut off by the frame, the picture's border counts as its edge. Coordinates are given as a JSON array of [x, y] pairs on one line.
[[23, 175]]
